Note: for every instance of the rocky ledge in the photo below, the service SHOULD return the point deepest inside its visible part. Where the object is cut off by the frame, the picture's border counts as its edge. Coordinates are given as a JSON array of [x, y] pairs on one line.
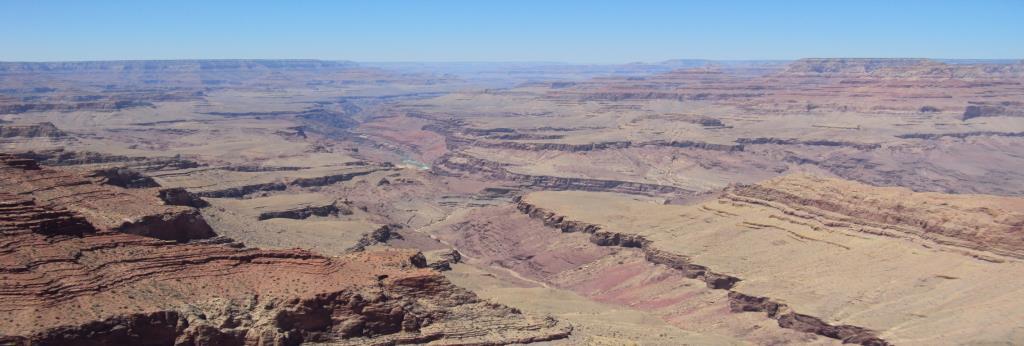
[[107, 207], [64, 248], [975, 222], [30, 131], [459, 164], [62, 157], [244, 190], [739, 302], [307, 211], [554, 146]]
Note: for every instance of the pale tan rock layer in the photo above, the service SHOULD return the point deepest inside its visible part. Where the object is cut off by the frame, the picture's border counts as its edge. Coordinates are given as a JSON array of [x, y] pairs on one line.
[[828, 256]]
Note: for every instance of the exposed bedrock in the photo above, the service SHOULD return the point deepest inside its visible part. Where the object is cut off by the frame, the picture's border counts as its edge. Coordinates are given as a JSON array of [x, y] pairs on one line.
[[26, 164], [738, 302], [45, 129], [180, 196], [20, 214], [955, 220], [108, 207], [242, 191], [255, 168], [305, 212], [607, 238], [693, 144], [407, 305], [449, 164], [61, 157], [457, 135], [539, 146], [123, 177], [821, 142], [602, 238], [654, 95], [523, 136], [62, 249], [442, 260], [327, 179], [991, 109], [103, 106], [584, 184], [381, 235], [181, 226], [155, 328]]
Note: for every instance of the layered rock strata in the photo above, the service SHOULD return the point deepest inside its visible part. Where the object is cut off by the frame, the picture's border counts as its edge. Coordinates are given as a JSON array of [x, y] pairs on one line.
[[465, 164], [305, 212], [30, 131], [63, 250], [992, 224], [786, 317]]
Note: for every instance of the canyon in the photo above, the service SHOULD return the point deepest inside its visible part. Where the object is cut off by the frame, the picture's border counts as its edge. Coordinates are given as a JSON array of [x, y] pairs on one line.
[[285, 202]]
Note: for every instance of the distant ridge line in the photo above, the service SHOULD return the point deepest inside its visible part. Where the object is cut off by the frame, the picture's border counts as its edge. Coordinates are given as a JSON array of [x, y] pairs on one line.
[[175, 65]]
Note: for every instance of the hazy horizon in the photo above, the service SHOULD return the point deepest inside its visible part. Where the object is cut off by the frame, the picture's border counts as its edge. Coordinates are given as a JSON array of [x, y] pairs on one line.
[[527, 62]]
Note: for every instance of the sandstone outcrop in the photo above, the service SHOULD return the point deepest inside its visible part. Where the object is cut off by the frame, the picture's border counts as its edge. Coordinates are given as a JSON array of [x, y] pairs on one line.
[[464, 164], [607, 238], [991, 109], [538, 146], [846, 260], [241, 191], [62, 250], [822, 142], [107, 207], [30, 131], [992, 224], [738, 302], [305, 212], [381, 235], [123, 177], [442, 260], [180, 196], [244, 190], [62, 157], [109, 106]]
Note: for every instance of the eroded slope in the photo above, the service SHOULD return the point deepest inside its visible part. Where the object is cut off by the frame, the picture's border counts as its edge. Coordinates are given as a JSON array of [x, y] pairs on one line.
[[60, 253], [835, 252]]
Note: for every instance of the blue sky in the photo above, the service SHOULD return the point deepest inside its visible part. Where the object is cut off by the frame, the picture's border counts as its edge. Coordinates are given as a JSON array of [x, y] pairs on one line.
[[571, 31]]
